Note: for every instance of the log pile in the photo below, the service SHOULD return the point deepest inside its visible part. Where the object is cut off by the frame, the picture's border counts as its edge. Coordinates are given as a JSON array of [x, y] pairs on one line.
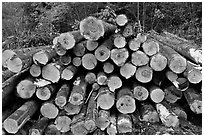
[[104, 78]]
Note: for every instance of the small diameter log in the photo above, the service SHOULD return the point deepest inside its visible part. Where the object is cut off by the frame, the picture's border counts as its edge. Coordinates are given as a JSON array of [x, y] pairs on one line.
[[119, 41], [71, 109], [193, 73], [69, 72], [45, 93], [76, 61], [158, 62], [6, 56], [139, 58], [59, 49], [179, 111], [102, 78], [105, 99], [65, 59], [156, 94], [43, 57], [142, 37], [35, 70], [78, 92], [125, 101], [26, 88], [172, 94], [144, 74], [7, 74], [128, 30], [134, 44], [16, 120], [194, 100], [63, 123], [91, 45], [124, 124], [140, 92], [62, 95], [150, 47], [49, 110], [69, 39], [127, 70], [52, 130], [89, 61], [39, 127], [114, 82], [172, 77], [92, 28], [121, 20], [119, 56], [90, 77], [112, 129], [183, 84], [102, 120], [148, 113], [52, 72], [91, 114], [102, 53], [79, 49], [108, 67], [167, 117]]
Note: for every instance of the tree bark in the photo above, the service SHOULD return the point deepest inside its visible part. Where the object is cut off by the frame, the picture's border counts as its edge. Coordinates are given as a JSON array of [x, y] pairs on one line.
[[7, 74], [52, 130]]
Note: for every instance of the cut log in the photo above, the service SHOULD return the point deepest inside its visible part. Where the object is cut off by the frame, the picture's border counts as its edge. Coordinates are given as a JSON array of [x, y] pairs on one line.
[[49, 110], [89, 61], [35, 70], [69, 39], [144, 74], [105, 98], [121, 19], [7, 74], [172, 77], [158, 62], [90, 77], [119, 41], [59, 49], [45, 93], [148, 113], [78, 92], [91, 45], [193, 73], [167, 117], [102, 120], [114, 82], [125, 101], [150, 47], [194, 99], [183, 84], [79, 49], [142, 37], [92, 28], [179, 111], [55, 40], [52, 130], [134, 44], [127, 70], [6, 56], [102, 53], [16, 120], [182, 46], [76, 61], [65, 59], [139, 58], [62, 95], [172, 94], [69, 72], [72, 109], [128, 30], [156, 94], [140, 92], [63, 123], [26, 88], [119, 56], [124, 124], [43, 57], [108, 67], [39, 127], [112, 129], [102, 78], [95, 87]]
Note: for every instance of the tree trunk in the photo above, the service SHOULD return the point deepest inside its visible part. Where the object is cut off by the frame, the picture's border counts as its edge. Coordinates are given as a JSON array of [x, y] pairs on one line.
[[112, 129], [102, 53], [134, 44], [52, 130], [129, 30], [72, 109], [7, 74]]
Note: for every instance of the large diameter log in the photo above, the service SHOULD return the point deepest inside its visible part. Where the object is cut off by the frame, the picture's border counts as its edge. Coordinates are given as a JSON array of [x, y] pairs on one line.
[[92, 28], [49, 110], [112, 128], [102, 53], [156, 94], [172, 94], [102, 120], [89, 61], [52, 130], [108, 67], [76, 61], [45, 93], [167, 117], [63, 123], [121, 19], [124, 123], [91, 45], [62, 95], [125, 101], [139, 58], [127, 70], [69, 72], [194, 100], [78, 92], [71, 109], [39, 127], [101, 78], [182, 46], [148, 113], [69, 39], [150, 47], [79, 49], [119, 56], [119, 41], [144, 74], [16, 120], [65, 59], [90, 77], [140, 92], [35, 70], [114, 82], [134, 44], [105, 99], [26, 88], [158, 62]]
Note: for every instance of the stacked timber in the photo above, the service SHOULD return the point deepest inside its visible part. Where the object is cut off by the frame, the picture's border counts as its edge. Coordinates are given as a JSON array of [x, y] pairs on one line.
[[104, 78]]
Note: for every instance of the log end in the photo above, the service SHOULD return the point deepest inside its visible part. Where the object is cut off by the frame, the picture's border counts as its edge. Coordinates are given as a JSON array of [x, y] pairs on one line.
[[15, 65], [11, 126], [126, 104]]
